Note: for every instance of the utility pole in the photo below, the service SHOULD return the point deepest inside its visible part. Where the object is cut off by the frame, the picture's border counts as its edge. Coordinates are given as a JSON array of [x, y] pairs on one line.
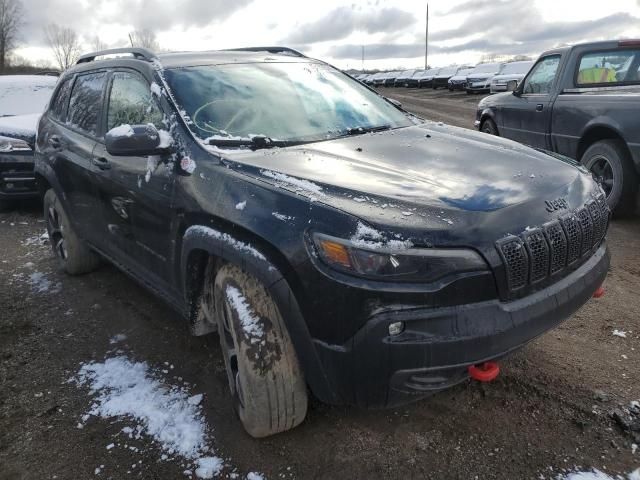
[[426, 42], [363, 58]]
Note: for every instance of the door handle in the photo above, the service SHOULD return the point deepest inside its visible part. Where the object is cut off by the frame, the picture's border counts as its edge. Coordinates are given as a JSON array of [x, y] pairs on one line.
[[539, 107], [101, 162], [54, 141]]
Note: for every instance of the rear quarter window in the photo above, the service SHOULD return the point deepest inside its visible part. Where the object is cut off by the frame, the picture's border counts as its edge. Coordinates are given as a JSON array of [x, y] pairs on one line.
[[85, 105], [608, 68]]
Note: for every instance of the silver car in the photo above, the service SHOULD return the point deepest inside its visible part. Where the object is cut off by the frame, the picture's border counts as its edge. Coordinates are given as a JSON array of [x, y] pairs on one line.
[[510, 76]]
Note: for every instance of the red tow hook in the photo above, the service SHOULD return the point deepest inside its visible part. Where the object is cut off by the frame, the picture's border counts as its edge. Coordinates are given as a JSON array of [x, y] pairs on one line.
[[599, 292], [484, 372]]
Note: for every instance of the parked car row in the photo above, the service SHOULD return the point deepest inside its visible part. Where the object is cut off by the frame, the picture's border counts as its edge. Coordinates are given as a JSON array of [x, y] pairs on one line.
[[485, 77]]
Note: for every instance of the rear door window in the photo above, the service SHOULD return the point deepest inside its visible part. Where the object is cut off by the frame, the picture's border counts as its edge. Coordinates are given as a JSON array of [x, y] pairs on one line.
[[86, 102], [540, 79], [61, 100], [606, 68]]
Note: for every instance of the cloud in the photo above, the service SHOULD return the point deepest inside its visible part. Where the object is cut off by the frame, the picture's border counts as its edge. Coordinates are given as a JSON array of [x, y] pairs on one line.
[[87, 18], [484, 30], [342, 21]]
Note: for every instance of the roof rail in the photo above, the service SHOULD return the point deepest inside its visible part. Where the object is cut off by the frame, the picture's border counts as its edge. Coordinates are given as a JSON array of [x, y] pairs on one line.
[[274, 50], [141, 53]]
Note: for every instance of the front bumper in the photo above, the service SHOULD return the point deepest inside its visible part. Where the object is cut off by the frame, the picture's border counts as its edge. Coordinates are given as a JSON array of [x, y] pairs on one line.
[[478, 86], [457, 85], [498, 87], [17, 179], [374, 369]]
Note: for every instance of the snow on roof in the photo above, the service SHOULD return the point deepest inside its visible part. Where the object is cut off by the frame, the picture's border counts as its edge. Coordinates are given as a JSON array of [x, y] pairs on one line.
[[24, 94]]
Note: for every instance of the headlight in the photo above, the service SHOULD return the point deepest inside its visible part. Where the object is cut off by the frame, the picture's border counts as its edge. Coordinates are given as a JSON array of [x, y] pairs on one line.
[[392, 261], [13, 145]]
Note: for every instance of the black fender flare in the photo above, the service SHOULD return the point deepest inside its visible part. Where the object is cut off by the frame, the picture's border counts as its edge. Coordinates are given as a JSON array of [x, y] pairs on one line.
[[226, 247]]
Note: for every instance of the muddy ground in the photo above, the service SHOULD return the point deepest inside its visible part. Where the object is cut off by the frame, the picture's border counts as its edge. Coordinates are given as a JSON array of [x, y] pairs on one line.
[[548, 412]]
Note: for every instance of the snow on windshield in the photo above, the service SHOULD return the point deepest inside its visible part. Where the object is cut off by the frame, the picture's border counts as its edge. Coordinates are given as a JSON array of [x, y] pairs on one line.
[[25, 94]]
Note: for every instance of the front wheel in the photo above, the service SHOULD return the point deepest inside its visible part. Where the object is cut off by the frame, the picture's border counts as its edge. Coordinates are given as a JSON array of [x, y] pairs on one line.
[[489, 126], [265, 378], [612, 167], [73, 255]]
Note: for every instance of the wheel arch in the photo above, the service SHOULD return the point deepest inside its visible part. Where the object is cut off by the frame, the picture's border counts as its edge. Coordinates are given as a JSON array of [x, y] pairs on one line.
[[597, 132], [203, 239]]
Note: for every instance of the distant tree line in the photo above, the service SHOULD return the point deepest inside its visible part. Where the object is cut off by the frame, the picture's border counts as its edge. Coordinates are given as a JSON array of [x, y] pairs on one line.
[[65, 43]]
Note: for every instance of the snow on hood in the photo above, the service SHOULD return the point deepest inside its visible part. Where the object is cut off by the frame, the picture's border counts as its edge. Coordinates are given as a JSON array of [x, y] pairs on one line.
[[23, 125]]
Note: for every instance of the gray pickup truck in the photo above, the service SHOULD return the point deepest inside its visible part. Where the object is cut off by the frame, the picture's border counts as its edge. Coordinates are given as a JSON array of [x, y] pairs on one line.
[[581, 101]]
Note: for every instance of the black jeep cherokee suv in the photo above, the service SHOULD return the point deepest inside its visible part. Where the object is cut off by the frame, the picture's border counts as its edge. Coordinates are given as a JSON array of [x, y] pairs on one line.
[[335, 242]]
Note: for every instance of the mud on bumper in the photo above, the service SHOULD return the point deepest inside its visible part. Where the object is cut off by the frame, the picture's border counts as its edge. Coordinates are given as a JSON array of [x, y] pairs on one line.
[[437, 346]]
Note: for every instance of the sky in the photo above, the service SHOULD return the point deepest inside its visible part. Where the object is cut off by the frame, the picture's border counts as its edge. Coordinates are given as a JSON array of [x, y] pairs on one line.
[[392, 32]]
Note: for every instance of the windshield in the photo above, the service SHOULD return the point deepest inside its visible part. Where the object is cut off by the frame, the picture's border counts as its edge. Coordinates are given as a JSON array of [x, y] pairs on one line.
[[25, 94], [516, 67], [288, 102], [487, 68]]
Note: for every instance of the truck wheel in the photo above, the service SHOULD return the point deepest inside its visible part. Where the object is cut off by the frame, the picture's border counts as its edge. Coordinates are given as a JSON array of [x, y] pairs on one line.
[[265, 379], [73, 255], [489, 126], [611, 166]]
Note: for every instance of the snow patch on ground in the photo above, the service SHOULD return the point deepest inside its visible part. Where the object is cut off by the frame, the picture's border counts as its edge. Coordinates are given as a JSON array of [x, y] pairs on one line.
[[120, 337], [248, 319], [596, 474], [300, 185], [370, 238], [41, 284], [255, 476], [225, 237], [125, 389], [36, 240], [619, 333]]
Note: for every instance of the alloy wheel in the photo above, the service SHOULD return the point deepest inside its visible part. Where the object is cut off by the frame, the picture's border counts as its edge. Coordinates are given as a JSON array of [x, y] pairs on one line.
[[602, 173], [56, 234]]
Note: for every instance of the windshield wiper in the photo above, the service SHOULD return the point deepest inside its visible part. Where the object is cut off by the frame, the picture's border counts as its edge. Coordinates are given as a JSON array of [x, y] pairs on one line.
[[361, 130], [256, 142]]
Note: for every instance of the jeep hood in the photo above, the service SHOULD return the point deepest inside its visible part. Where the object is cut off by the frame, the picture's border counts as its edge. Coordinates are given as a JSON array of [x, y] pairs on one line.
[[425, 171]]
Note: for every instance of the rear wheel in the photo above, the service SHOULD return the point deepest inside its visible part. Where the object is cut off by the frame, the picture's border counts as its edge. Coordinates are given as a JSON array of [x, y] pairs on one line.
[[489, 126], [73, 255], [265, 379], [612, 167]]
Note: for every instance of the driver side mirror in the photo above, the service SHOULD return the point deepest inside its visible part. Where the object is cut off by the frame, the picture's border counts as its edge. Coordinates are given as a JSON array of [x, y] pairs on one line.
[[517, 92], [134, 141]]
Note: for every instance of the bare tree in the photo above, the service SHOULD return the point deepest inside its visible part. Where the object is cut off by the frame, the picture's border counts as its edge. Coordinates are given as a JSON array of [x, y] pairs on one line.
[[64, 43], [144, 38], [10, 23], [97, 44]]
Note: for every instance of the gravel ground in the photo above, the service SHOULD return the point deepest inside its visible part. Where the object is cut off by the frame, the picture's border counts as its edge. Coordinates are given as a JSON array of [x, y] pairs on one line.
[[559, 403]]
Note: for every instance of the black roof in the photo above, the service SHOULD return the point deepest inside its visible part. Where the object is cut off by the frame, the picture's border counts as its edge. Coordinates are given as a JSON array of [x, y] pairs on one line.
[[119, 56]]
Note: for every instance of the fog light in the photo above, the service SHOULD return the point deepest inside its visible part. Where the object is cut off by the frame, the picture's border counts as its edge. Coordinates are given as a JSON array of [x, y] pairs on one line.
[[396, 328]]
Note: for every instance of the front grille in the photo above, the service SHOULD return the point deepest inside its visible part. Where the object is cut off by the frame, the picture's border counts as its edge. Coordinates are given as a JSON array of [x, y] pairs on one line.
[[540, 253]]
